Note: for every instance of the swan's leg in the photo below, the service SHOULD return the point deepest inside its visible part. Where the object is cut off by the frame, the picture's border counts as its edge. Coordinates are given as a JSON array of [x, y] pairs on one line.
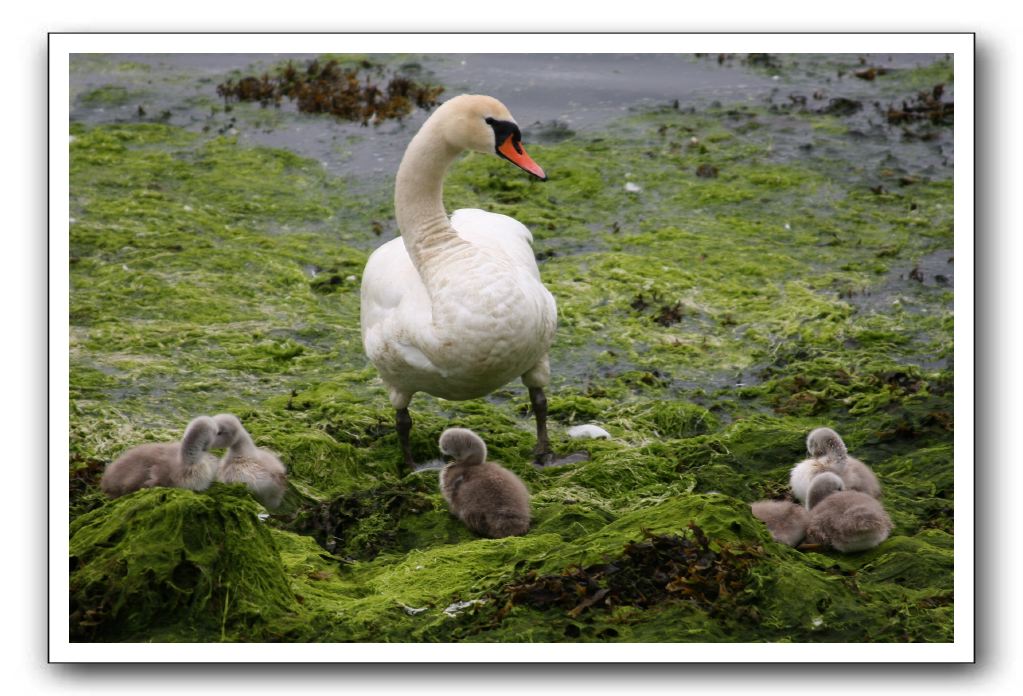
[[535, 380], [543, 454], [403, 424]]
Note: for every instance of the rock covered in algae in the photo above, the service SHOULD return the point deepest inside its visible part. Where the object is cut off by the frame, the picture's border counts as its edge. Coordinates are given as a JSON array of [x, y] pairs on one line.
[[192, 564]]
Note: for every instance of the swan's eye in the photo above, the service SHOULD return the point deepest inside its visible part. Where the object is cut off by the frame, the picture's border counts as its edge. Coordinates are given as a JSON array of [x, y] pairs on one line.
[[502, 131]]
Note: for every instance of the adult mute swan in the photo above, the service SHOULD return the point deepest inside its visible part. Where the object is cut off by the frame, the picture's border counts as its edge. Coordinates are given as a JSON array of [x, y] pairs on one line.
[[185, 464], [488, 498], [455, 307]]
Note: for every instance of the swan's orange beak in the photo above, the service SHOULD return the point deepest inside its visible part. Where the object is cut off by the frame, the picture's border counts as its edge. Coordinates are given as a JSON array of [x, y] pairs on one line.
[[512, 151]]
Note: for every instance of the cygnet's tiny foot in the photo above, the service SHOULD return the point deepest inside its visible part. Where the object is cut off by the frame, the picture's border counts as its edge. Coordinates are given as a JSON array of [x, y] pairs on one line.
[[811, 547], [551, 461]]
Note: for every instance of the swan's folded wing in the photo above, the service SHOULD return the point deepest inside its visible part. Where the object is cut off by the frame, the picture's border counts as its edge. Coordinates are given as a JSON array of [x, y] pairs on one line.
[[498, 233], [395, 314], [387, 275]]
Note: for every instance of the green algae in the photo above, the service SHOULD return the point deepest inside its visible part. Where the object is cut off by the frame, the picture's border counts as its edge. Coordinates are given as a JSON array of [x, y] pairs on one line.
[[190, 564], [707, 323], [110, 95]]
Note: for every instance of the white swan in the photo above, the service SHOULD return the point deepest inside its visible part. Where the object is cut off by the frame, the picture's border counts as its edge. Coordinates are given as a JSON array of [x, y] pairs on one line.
[[455, 307], [185, 464], [259, 469]]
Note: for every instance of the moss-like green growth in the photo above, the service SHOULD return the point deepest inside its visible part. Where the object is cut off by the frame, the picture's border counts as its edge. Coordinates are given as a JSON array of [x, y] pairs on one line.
[[110, 95], [706, 322], [187, 564]]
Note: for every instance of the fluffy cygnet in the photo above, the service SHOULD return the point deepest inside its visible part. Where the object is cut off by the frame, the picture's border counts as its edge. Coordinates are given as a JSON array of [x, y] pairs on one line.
[[785, 520], [844, 519], [828, 453], [185, 464], [257, 468], [488, 498]]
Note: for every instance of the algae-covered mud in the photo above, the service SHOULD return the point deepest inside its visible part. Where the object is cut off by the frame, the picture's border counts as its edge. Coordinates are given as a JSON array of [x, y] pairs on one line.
[[735, 264]]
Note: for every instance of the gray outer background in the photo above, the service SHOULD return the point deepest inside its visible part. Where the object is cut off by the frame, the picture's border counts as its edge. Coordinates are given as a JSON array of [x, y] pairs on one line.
[[998, 617]]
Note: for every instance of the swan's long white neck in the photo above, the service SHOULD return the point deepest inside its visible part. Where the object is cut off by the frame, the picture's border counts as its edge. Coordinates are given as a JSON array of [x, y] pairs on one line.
[[419, 200]]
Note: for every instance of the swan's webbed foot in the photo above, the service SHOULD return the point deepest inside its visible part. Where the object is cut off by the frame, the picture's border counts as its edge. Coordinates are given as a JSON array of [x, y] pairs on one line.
[[543, 459], [551, 460], [543, 455]]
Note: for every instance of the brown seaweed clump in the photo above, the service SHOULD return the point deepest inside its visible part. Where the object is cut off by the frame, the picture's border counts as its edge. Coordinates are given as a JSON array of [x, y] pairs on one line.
[[650, 571], [327, 87], [928, 105]]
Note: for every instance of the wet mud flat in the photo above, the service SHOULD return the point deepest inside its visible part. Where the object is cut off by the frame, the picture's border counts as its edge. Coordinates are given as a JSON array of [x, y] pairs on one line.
[[741, 248]]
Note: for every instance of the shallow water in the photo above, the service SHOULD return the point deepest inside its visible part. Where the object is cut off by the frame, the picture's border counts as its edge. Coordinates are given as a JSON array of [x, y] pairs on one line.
[[580, 92]]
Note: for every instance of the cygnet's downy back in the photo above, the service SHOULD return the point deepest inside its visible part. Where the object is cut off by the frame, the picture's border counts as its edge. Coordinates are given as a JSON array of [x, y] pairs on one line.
[[828, 453], [488, 498], [259, 469], [785, 520], [184, 464], [845, 519]]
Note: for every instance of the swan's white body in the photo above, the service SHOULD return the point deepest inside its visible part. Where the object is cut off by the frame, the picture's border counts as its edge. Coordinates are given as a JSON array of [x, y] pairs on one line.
[[455, 306], [488, 319]]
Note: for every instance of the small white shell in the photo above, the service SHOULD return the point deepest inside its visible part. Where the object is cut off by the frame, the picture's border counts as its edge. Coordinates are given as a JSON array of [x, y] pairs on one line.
[[589, 430], [455, 608]]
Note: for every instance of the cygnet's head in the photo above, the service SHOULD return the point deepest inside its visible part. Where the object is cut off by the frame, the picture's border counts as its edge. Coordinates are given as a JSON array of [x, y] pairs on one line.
[[823, 485], [229, 429], [463, 445], [825, 442], [200, 434], [483, 124]]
